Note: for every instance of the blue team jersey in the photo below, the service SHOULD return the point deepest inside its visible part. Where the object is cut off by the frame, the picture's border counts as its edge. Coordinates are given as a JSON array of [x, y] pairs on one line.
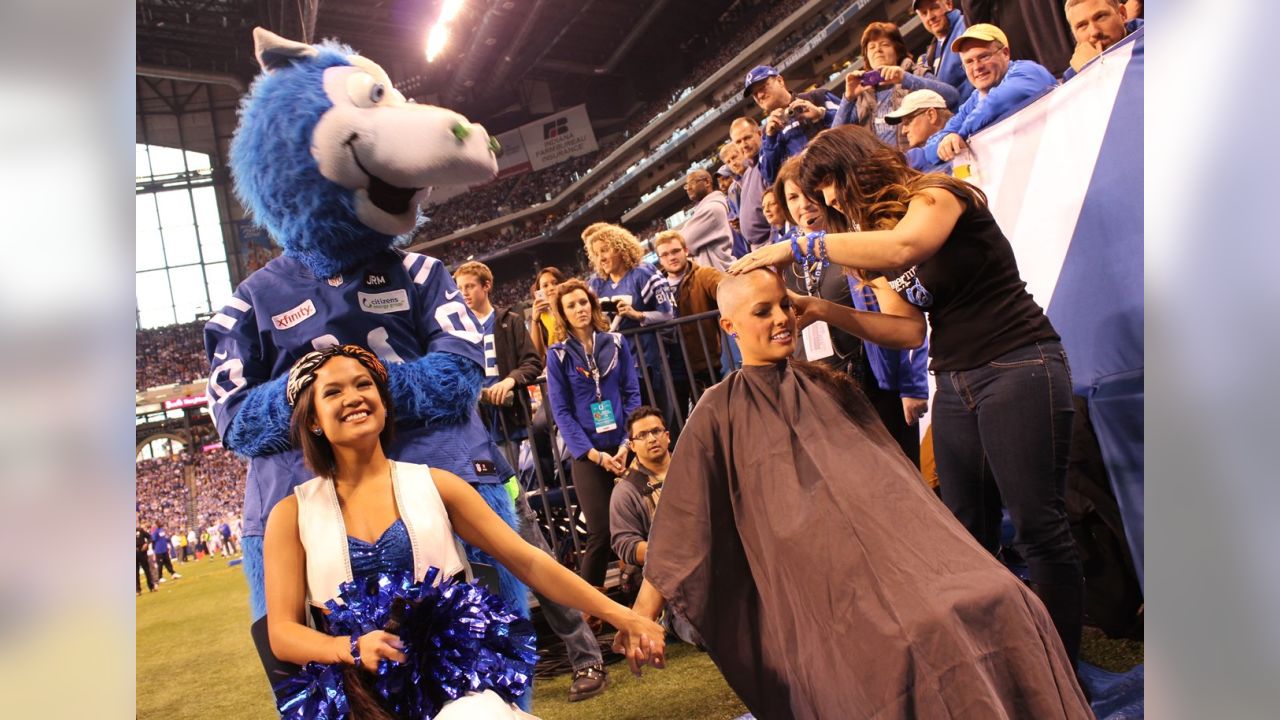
[[644, 287], [648, 291], [400, 305], [491, 376]]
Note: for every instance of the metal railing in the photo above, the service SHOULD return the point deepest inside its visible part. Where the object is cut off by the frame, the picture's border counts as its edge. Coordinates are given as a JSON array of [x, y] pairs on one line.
[[527, 434]]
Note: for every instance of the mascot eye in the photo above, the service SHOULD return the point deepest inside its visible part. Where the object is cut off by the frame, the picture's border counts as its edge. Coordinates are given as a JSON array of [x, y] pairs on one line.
[[364, 90]]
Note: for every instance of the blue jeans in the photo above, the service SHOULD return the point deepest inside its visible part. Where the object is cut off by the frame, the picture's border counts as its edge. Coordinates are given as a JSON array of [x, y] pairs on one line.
[[1002, 432]]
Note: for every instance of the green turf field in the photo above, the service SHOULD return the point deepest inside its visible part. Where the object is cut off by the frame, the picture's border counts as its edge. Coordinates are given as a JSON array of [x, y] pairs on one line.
[[195, 660]]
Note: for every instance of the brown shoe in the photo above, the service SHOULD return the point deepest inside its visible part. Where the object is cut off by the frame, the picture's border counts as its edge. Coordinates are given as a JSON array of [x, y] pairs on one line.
[[588, 682]]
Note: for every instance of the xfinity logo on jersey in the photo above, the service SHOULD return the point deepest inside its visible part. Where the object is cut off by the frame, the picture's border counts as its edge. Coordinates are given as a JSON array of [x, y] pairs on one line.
[[375, 280], [288, 319], [387, 302]]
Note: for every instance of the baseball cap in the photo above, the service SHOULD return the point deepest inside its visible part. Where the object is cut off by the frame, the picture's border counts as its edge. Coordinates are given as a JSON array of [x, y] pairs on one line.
[[915, 100], [758, 73], [984, 32], [724, 171]]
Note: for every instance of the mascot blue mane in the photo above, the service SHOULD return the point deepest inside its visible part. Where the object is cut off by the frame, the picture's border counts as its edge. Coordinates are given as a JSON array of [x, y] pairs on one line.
[[276, 178]]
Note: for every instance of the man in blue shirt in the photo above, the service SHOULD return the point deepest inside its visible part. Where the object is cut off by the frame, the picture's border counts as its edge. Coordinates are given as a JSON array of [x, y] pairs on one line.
[[946, 24], [160, 544], [792, 119], [1001, 87], [921, 114]]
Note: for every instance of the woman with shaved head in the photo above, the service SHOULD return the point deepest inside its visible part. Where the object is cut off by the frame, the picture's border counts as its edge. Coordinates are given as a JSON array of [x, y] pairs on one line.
[[792, 536]]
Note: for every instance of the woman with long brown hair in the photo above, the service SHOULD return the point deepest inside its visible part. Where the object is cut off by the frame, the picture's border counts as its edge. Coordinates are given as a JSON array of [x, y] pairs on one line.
[[592, 388], [895, 381], [1002, 410]]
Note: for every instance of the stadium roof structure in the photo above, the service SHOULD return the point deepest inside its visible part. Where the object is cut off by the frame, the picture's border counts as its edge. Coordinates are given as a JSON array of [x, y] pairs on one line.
[[508, 61]]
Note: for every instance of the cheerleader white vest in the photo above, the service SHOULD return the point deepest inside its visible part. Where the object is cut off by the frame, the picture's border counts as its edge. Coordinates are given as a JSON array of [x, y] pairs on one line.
[[324, 534]]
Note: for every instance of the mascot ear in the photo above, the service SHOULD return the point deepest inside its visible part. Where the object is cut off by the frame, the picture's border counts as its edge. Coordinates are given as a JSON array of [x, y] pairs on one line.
[[274, 52]]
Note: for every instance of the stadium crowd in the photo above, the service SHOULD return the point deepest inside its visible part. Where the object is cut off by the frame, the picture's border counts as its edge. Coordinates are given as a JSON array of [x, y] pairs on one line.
[[170, 354], [905, 108]]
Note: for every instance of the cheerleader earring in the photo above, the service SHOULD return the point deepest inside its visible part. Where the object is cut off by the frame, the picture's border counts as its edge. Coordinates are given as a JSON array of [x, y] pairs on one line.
[[317, 431]]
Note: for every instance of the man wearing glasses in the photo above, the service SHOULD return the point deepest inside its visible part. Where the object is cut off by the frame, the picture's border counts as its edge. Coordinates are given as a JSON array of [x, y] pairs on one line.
[[1002, 87], [921, 114], [635, 500]]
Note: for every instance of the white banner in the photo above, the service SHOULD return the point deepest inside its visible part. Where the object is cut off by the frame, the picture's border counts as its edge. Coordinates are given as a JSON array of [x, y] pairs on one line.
[[557, 138], [514, 160]]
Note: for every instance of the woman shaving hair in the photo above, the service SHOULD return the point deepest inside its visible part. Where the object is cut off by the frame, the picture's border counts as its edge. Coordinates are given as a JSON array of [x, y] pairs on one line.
[[792, 535], [366, 530], [1002, 409], [894, 381]]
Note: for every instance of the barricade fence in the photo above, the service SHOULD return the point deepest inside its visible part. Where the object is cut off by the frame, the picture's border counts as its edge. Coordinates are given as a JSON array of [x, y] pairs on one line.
[[684, 357]]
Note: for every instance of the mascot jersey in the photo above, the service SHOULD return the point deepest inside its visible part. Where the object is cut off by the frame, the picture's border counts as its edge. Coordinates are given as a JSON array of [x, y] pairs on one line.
[[400, 305]]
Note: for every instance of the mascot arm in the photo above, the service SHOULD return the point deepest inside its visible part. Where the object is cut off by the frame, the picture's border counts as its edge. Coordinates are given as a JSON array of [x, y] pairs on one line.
[[261, 424], [439, 388], [248, 406]]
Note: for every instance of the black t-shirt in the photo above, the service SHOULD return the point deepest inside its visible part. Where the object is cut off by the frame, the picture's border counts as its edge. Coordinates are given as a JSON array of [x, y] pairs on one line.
[[143, 540], [978, 304]]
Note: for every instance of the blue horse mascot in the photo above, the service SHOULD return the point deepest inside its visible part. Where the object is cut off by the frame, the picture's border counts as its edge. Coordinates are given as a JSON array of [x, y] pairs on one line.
[[333, 162]]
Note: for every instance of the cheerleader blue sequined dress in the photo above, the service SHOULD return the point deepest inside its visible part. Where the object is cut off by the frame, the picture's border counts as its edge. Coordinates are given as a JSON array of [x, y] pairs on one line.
[[469, 655]]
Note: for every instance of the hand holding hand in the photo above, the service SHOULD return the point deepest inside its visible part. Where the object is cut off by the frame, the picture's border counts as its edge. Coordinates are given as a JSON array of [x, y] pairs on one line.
[[643, 641], [951, 146]]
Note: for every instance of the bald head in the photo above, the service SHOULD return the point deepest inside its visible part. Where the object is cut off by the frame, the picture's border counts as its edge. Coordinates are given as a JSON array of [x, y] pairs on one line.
[[755, 309], [736, 293], [697, 184]]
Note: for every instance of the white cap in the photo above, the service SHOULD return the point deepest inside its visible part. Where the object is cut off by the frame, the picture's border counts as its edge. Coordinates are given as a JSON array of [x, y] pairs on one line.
[[915, 100]]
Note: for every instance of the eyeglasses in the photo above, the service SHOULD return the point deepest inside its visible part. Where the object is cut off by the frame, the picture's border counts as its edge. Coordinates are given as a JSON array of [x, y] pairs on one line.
[[642, 436], [982, 59]]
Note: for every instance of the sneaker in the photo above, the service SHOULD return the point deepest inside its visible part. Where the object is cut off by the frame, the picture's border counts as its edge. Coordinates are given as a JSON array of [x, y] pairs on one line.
[[162, 579], [588, 682], [177, 575]]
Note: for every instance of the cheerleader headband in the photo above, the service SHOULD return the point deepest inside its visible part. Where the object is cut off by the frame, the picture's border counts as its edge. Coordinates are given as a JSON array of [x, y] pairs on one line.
[[303, 372]]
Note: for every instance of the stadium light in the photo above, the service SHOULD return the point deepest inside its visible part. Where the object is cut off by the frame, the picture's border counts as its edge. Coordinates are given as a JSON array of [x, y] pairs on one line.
[[449, 11], [436, 40]]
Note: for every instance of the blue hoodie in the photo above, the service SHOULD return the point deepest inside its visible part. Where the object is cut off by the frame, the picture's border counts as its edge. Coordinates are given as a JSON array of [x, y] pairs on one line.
[[946, 65], [905, 372], [1023, 82], [571, 390]]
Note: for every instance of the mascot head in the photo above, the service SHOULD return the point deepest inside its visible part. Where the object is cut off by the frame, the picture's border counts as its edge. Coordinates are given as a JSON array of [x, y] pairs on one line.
[[334, 162]]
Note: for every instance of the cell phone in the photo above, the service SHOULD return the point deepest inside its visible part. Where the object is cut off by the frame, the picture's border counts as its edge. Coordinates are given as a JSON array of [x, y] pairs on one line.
[[608, 305], [539, 295], [871, 78]]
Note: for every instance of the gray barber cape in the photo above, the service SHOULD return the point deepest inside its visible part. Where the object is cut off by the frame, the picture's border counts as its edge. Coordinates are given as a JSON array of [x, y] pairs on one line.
[[828, 582]]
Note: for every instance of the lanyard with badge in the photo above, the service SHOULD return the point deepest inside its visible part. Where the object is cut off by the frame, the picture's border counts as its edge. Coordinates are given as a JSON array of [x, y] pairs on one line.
[[813, 262], [602, 415]]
